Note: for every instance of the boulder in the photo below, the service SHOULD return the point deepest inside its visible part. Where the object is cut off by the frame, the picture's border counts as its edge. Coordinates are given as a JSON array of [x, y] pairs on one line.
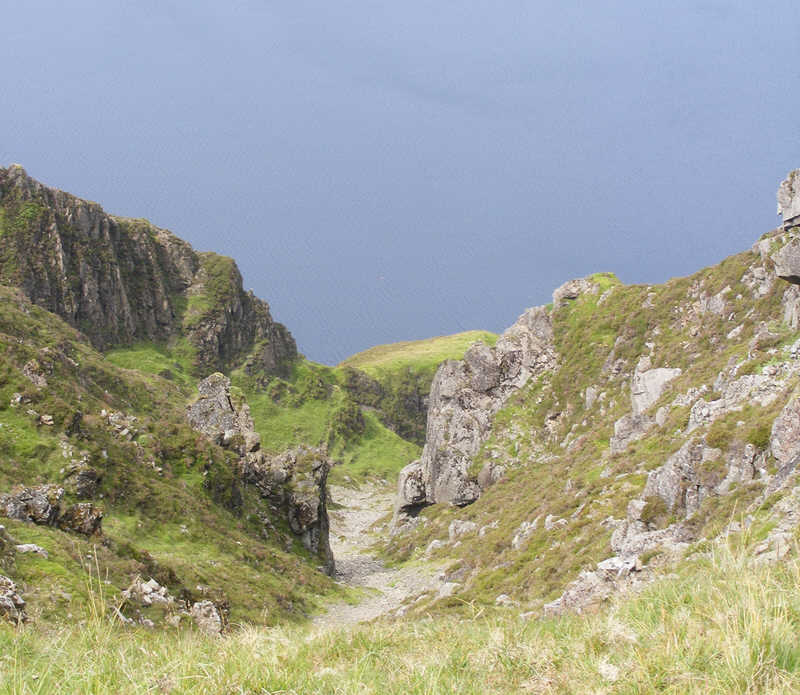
[[411, 494], [787, 262], [785, 436], [491, 472], [628, 429], [213, 413], [648, 384], [8, 549], [207, 617], [460, 528], [83, 518], [40, 504], [24, 548]]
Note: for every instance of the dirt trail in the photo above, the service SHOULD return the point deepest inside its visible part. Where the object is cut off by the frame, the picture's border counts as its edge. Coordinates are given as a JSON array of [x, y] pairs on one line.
[[351, 537]]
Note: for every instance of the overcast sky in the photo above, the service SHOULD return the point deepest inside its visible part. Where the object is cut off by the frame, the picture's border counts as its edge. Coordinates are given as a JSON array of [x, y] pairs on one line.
[[387, 171]]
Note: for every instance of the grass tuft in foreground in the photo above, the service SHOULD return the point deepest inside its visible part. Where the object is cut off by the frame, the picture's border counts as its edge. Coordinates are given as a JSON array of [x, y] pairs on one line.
[[722, 626]]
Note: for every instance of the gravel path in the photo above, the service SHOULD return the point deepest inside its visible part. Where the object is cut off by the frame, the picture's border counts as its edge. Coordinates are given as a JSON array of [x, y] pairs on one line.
[[351, 536]]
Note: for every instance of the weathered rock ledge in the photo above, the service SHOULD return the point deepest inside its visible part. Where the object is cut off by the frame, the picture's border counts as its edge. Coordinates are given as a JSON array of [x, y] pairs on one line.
[[294, 482]]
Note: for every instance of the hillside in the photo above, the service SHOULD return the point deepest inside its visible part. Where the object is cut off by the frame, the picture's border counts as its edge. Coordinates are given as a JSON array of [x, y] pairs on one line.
[[604, 497], [108, 327], [610, 435], [156, 498], [420, 355]]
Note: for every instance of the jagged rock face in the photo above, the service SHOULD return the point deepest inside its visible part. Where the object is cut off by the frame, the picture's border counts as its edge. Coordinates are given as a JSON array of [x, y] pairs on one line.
[[787, 262], [464, 397], [295, 481], [678, 482], [112, 278], [121, 280], [572, 290], [41, 505], [789, 199]]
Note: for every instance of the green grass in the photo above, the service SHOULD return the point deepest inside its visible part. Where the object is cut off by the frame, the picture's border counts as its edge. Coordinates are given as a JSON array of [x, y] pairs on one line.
[[379, 452], [420, 355], [720, 626], [221, 279], [284, 427], [151, 358], [162, 477]]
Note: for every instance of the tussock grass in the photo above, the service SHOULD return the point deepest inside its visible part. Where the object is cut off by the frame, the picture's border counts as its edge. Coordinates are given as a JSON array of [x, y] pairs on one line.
[[722, 626]]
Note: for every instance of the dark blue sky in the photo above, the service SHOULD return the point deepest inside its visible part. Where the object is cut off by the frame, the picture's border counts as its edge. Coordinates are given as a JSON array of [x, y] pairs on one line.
[[385, 171]]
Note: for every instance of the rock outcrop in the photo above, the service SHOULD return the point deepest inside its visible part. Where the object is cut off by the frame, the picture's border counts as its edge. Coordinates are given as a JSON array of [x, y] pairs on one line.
[[295, 481], [464, 397], [648, 384], [207, 617], [789, 199], [7, 551], [121, 280], [12, 605], [41, 505]]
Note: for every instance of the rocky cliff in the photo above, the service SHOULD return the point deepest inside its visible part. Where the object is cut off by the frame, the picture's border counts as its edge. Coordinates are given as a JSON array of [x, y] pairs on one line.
[[646, 422], [123, 280], [464, 397]]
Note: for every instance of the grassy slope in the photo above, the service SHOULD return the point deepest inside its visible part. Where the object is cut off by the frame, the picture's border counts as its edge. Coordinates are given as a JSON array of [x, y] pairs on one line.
[[306, 407], [585, 484], [420, 355], [182, 524], [720, 625]]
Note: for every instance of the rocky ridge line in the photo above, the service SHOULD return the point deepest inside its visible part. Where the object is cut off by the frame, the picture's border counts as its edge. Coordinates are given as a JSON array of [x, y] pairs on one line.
[[123, 280]]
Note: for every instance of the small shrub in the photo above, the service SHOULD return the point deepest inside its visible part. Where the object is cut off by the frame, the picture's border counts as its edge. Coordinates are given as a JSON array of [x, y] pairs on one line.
[[655, 511], [759, 436]]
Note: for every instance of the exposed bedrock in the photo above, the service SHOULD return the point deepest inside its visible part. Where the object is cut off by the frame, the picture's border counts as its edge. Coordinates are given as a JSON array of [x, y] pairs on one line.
[[294, 482], [122, 280], [465, 395]]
